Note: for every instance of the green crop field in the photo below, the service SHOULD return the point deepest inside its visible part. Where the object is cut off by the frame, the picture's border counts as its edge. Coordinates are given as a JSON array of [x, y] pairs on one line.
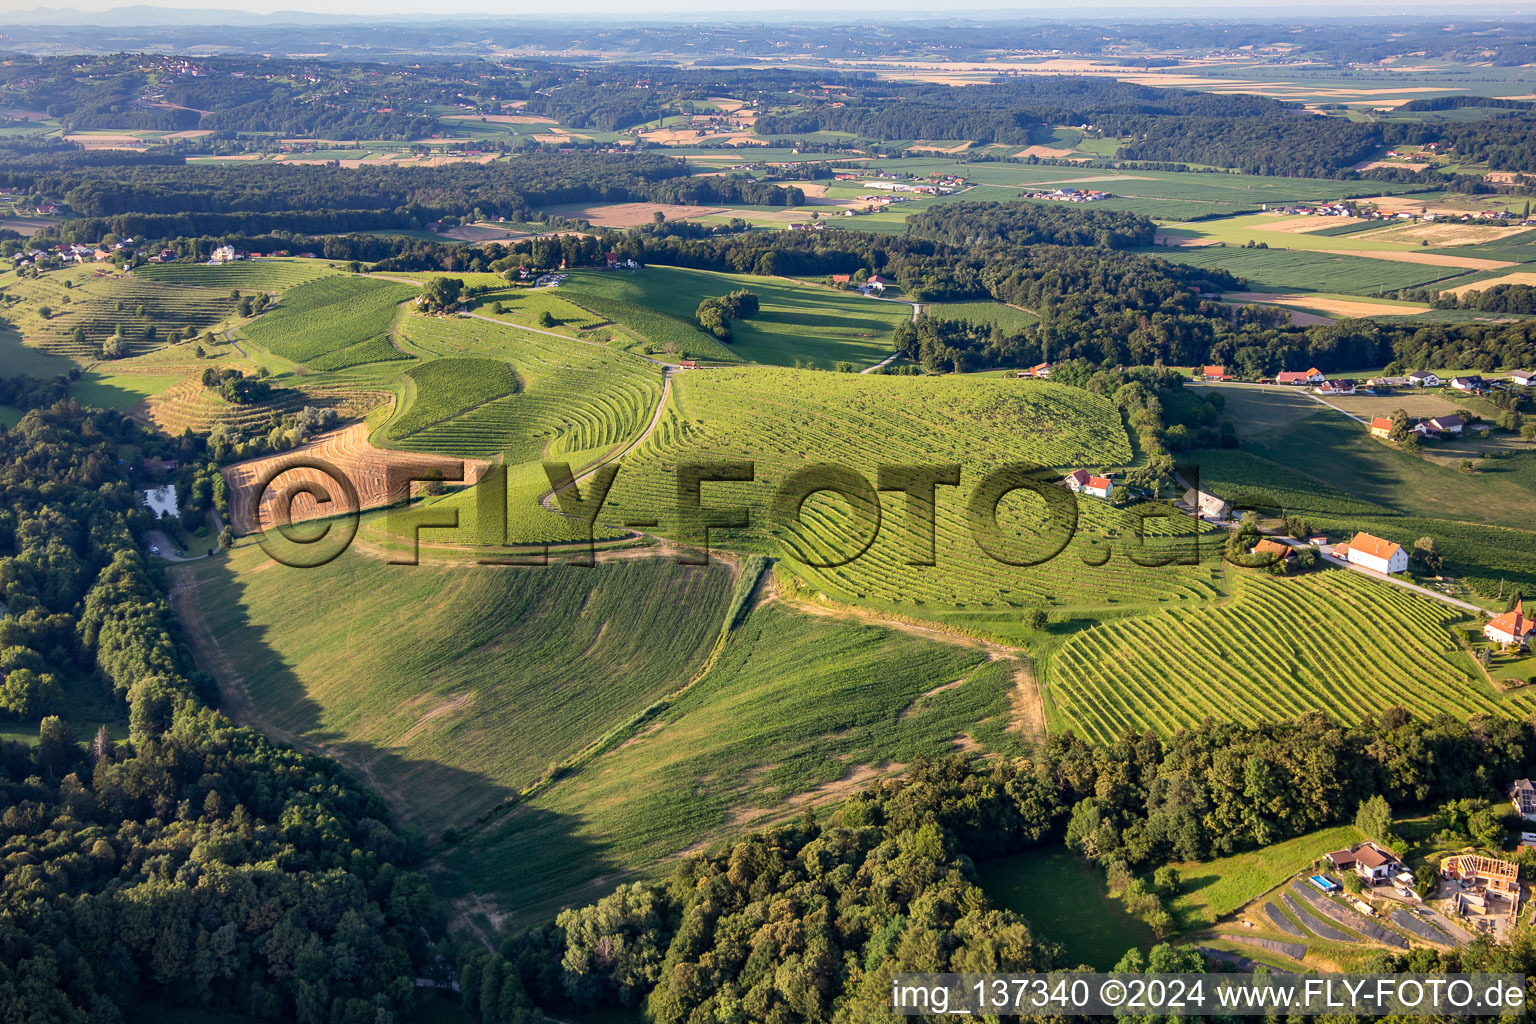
[[446, 682], [1330, 447], [663, 332], [783, 420], [999, 314], [18, 357], [446, 388], [1251, 659], [333, 322], [1063, 899], [796, 706], [550, 396], [797, 321], [119, 390], [1295, 269]]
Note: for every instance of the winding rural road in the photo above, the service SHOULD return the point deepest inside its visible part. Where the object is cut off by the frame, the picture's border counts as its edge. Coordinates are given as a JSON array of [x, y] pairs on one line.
[[548, 498]]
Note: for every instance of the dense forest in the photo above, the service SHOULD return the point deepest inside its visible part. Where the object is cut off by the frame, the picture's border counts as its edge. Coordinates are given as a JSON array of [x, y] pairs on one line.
[[170, 199], [1026, 223], [195, 863]]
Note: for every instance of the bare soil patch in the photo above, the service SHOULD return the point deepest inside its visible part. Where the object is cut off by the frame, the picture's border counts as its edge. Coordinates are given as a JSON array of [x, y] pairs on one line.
[[629, 215], [1428, 259], [1520, 277], [347, 449], [1043, 153], [1342, 307]]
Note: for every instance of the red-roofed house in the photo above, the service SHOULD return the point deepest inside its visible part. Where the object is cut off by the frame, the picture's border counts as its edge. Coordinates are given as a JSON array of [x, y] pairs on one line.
[[1083, 482], [1381, 427], [1299, 377], [1215, 373], [1042, 370], [1376, 553], [1284, 553], [1512, 629]]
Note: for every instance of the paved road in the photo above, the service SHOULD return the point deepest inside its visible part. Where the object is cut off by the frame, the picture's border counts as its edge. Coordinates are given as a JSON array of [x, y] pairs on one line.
[[1325, 552], [167, 547], [1288, 390]]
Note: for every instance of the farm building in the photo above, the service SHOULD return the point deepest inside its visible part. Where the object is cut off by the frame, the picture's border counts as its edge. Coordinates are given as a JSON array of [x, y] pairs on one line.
[[1374, 553], [1312, 376], [1041, 370], [1336, 387], [1523, 377], [1207, 505], [1472, 384], [875, 284], [1512, 629], [1215, 373], [1424, 379], [1083, 482], [1522, 794], [1381, 427]]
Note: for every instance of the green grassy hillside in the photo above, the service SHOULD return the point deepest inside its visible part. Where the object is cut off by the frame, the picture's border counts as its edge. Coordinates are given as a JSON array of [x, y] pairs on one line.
[[796, 708], [450, 705], [797, 321]]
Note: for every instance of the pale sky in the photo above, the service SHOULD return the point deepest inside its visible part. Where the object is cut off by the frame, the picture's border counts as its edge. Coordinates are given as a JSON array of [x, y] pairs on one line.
[[716, 10]]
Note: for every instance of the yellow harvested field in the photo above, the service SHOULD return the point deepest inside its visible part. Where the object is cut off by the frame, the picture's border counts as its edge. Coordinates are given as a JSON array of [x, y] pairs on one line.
[[1428, 259], [925, 146], [1294, 225], [1043, 153], [1404, 164], [1344, 308], [629, 215], [350, 452], [1441, 236], [1525, 277]]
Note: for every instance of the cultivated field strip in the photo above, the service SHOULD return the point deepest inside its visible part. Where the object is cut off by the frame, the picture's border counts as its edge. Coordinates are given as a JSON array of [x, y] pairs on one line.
[[784, 420], [1332, 641], [263, 274]]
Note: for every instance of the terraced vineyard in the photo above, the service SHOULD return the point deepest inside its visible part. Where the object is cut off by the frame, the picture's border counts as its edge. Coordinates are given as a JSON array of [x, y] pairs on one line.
[[1332, 641], [783, 420], [143, 311], [333, 322], [264, 274], [551, 396]]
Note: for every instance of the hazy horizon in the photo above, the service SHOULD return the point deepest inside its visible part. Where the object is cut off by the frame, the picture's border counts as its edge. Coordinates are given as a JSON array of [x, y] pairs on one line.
[[711, 10]]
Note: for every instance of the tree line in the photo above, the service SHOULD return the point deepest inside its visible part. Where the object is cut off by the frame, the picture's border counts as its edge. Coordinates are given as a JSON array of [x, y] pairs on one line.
[[193, 864]]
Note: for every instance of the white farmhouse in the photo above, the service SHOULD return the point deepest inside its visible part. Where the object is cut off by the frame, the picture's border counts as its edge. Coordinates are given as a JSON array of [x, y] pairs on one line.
[[1375, 553], [1084, 482]]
